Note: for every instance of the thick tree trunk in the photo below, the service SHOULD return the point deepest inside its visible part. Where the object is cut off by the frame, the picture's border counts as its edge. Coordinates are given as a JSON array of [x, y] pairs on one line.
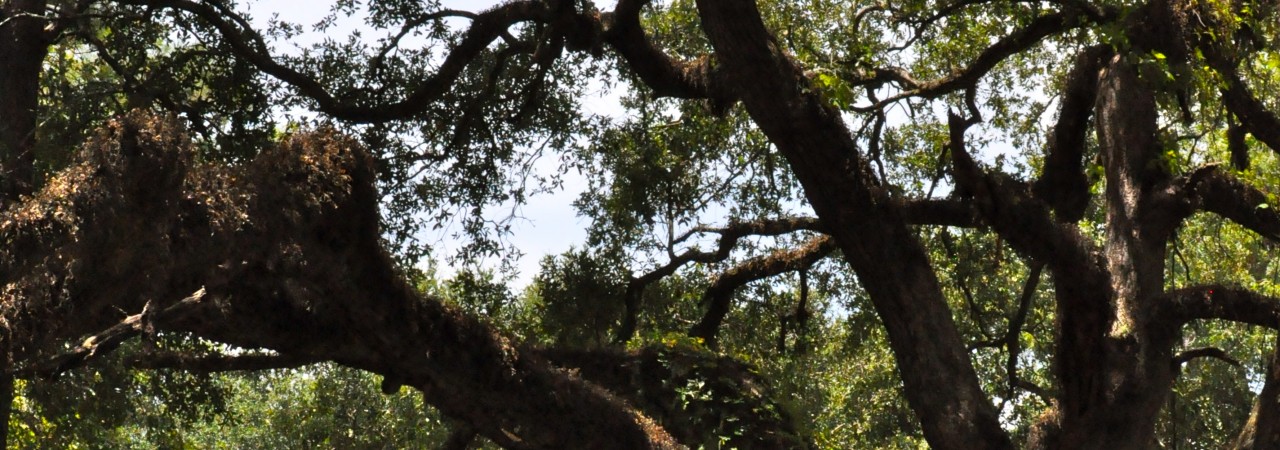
[[23, 46], [1116, 407], [886, 255]]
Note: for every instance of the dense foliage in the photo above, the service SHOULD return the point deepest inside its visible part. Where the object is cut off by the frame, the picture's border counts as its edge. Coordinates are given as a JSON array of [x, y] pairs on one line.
[[818, 224]]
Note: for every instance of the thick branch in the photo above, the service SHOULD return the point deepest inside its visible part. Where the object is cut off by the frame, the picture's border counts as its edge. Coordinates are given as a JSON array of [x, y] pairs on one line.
[[1262, 431], [1221, 302], [1063, 184], [665, 75], [218, 363], [108, 340], [288, 249], [866, 224], [1218, 191], [1012, 212], [1261, 122]]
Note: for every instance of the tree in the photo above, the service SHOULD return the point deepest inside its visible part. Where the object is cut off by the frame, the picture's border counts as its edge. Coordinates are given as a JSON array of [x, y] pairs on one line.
[[283, 249]]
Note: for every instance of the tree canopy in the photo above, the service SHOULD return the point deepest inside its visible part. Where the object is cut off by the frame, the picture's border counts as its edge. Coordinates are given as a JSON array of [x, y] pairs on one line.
[[820, 224]]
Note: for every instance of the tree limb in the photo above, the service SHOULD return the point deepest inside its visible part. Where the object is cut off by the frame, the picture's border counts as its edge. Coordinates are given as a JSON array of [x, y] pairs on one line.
[[1220, 302], [249, 45], [108, 340], [1214, 190], [1262, 431], [719, 295], [1063, 184], [218, 362], [1016, 42], [1205, 352]]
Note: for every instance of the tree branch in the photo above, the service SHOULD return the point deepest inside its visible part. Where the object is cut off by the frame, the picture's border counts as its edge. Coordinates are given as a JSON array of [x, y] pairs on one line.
[[1214, 190], [108, 340], [249, 45], [719, 295], [1220, 302], [218, 362], [1063, 184], [1205, 352], [666, 76], [729, 237], [1262, 431], [1016, 42]]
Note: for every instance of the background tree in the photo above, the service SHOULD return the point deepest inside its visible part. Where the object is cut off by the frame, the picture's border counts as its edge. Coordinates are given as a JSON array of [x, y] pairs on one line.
[[1054, 209]]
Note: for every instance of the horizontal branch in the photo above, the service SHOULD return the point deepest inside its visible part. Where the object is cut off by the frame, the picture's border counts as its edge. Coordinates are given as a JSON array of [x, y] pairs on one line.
[[218, 362], [1217, 191], [1220, 302], [1205, 352]]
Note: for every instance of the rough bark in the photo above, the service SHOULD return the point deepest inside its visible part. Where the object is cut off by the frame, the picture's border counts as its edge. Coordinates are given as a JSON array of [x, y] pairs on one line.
[[1063, 184], [23, 45], [861, 216], [287, 252], [1262, 431]]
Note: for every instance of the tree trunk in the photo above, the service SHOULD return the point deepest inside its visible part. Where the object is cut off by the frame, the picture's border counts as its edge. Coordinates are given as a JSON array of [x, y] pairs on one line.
[[886, 255], [1117, 404], [23, 47]]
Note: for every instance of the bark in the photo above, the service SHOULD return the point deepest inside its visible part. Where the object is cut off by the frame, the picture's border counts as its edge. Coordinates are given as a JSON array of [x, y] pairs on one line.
[[1262, 431], [287, 252], [861, 216], [1137, 371], [23, 46], [1063, 184]]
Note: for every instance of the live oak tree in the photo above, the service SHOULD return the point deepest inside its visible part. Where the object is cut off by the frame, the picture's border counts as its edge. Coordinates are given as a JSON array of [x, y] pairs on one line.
[[1072, 145]]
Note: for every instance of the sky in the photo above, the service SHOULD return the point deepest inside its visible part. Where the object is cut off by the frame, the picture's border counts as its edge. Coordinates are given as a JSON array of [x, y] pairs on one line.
[[547, 223]]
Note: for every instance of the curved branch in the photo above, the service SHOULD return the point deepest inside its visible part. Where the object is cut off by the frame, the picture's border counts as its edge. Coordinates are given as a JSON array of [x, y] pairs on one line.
[[108, 340], [1205, 352], [1214, 190], [1261, 122], [719, 295], [487, 27], [1063, 184], [1220, 302], [666, 76], [1262, 431], [1016, 42], [729, 237], [1021, 219], [287, 247]]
